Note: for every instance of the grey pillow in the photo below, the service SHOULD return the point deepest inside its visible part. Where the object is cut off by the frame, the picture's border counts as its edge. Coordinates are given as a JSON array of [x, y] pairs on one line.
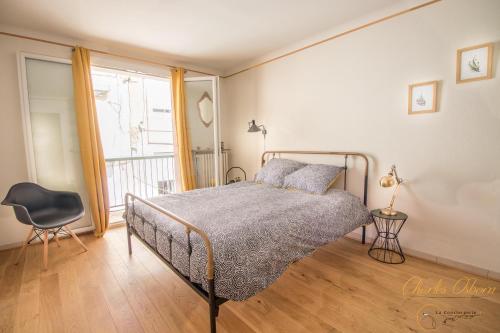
[[313, 178], [274, 171]]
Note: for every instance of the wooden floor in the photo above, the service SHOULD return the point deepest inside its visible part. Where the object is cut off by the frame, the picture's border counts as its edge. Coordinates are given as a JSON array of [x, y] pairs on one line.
[[337, 289]]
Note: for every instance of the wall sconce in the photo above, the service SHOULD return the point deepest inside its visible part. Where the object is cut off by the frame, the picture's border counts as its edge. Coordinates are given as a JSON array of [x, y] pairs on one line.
[[252, 128]]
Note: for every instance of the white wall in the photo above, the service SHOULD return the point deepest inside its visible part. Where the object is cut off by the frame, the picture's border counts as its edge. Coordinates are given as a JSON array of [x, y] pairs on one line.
[[351, 94]]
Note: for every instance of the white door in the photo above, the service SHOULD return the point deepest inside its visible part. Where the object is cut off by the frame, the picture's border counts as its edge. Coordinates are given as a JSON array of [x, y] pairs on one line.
[[202, 105], [52, 146]]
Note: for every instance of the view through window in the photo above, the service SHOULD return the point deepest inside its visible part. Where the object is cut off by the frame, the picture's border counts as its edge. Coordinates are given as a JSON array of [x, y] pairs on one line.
[[135, 120]]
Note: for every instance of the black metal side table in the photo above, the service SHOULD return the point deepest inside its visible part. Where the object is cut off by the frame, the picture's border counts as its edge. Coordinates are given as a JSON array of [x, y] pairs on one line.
[[386, 247]]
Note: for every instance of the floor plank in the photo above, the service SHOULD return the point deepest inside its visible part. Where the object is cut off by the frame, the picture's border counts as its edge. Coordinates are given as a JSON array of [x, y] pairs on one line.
[[123, 314], [71, 296], [336, 289], [28, 307], [10, 288], [95, 307]]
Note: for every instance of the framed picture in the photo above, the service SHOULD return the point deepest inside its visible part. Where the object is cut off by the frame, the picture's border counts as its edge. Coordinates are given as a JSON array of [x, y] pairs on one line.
[[422, 97], [475, 63]]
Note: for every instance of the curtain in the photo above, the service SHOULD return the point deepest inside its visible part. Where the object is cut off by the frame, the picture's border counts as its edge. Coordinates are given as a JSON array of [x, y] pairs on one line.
[[183, 140], [94, 167]]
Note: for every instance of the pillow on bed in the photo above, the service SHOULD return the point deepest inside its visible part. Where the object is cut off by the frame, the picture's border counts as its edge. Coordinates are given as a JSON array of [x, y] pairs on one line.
[[275, 171], [313, 178]]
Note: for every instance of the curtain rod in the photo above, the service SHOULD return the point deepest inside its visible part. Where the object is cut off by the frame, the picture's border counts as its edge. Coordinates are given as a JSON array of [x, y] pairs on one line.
[[99, 51], [366, 25]]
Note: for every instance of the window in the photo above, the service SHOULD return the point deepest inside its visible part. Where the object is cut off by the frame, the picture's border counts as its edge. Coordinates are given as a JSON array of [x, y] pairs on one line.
[[53, 149], [136, 129]]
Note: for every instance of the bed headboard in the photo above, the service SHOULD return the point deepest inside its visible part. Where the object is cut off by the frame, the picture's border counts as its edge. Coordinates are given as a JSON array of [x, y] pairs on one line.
[[312, 152]]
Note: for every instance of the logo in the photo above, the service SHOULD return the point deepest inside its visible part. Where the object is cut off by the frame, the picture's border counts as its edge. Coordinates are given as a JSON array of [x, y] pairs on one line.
[[430, 316]]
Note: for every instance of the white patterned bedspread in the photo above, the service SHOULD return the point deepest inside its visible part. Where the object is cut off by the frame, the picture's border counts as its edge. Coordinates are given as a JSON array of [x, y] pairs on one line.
[[256, 231]]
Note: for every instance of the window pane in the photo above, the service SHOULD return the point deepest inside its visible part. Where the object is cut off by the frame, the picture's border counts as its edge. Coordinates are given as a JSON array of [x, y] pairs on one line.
[[135, 119], [55, 143]]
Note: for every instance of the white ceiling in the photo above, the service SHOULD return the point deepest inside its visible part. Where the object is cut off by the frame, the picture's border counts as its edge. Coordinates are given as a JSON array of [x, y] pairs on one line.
[[218, 34]]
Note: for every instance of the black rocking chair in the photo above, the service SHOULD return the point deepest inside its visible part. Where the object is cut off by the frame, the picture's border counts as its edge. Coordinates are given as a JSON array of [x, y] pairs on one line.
[[48, 212]]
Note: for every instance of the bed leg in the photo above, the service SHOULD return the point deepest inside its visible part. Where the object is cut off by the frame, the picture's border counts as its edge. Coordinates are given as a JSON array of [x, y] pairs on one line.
[[363, 235], [129, 239], [212, 306]]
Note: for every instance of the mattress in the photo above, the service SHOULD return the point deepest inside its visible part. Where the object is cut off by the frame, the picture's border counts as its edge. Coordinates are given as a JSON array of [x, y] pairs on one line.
[[256, 231]]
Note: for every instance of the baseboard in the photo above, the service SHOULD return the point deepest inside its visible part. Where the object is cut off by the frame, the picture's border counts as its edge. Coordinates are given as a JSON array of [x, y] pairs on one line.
[[81, 230], [439, 260]]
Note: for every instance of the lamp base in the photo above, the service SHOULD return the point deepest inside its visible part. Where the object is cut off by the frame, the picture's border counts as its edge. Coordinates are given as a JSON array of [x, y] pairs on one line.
[[388, 211]]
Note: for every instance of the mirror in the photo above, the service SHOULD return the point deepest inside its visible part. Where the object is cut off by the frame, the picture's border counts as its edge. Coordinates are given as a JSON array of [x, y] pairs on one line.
[[205, 109]]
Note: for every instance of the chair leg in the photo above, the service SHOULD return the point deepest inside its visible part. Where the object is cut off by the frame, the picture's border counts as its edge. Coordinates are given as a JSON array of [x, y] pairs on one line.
[[56, 237], [30, 233], [45, 249], [69, 231]]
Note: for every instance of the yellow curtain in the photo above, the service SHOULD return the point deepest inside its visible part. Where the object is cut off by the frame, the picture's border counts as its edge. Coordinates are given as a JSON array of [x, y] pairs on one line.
[[184, 154], [94, 167]]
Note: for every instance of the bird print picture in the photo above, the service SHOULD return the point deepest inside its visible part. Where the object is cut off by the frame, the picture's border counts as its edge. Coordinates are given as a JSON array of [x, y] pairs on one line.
[[474, 63]]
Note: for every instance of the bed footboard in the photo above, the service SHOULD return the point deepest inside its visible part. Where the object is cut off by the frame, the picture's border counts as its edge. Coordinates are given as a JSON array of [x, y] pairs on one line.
[[209, 297]]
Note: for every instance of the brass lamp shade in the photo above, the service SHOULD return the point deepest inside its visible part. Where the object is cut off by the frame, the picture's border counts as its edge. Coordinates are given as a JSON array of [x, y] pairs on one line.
[[387, 181]]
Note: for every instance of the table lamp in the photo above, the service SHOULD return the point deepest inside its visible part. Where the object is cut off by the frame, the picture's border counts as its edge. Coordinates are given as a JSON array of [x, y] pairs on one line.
[[389, 181]]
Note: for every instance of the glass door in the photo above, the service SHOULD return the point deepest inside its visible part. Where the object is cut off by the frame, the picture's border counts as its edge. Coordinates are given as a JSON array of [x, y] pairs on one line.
[[52, 146], [135, 118], [202, 103]]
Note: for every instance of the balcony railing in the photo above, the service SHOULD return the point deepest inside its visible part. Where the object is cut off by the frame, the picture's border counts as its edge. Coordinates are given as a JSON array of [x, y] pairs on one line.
[[151, 176]]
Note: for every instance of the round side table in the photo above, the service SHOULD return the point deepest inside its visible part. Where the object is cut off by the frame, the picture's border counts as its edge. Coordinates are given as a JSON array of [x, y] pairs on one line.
[[386, 247]]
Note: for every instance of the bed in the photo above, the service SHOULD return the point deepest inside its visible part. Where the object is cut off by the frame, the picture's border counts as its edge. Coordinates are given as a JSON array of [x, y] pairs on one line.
[[230, 242]]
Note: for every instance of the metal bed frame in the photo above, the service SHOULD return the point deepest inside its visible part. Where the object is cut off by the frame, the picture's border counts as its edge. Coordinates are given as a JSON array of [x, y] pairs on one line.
[[209, 296]]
